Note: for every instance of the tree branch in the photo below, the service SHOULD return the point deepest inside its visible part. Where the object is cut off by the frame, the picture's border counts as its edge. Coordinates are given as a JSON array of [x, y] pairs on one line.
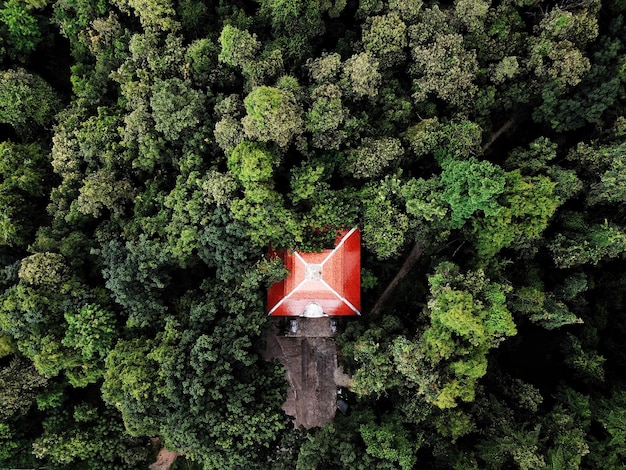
[[408, 264], [496, 135]]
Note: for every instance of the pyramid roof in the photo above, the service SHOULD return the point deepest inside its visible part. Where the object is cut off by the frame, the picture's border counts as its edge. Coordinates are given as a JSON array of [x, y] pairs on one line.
[[320, 283]]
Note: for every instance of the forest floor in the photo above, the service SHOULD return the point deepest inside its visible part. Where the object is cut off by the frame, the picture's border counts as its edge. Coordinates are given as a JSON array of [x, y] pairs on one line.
[[165, 458], [310, 362]]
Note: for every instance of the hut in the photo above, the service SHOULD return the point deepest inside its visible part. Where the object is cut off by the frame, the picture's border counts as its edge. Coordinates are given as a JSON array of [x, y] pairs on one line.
[[326, 283]]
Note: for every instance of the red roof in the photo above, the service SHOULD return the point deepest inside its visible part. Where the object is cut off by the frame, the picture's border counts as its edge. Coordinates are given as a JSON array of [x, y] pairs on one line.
[[328, 281]]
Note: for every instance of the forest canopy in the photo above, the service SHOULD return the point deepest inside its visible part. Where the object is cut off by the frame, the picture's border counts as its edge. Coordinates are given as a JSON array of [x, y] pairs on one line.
[[152, 150]]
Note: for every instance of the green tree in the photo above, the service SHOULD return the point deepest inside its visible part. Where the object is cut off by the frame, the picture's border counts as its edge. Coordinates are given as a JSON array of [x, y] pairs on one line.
[[102, 190], [19, 386], [272, 115], [542, 308], [328, 119], [520, 446], [91, 330], [155, 15], [299, 21], [609, 448], [389, 441], [385, 38], [611, 188], [597, 92], [229, 130], [586, 243], [22, 32], [26, 99], [176, 107], [385, 224], [586, 363], [373, 157], [457, 138], [470, 186], [446, 69], [423, 201], [202, 57], [137, 273], [270, 223], [88, 435], [23, 187]]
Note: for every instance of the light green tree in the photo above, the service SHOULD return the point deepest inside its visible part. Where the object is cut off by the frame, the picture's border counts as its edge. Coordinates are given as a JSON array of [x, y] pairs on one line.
[[252, 163], [385, 38], [446, 69], [22, 32], [239, 47], [272, 115], [468, 317], [470, 186], [91, 330], [361, 72], [526, 206], [373, 157]]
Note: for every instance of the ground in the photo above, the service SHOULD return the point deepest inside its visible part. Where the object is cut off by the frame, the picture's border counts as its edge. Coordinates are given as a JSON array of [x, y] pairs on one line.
[[165, 458], [309, 355]]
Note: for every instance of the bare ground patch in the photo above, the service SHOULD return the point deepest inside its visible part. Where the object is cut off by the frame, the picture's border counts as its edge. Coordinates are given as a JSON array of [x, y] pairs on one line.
[[165, 458]]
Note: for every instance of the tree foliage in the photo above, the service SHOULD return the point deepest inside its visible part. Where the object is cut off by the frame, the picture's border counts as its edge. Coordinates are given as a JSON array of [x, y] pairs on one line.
[[272, 115], [151, 152], [26, 99]]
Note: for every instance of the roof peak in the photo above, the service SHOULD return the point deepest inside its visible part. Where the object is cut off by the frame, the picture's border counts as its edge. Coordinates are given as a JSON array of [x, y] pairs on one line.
[[330, 279]]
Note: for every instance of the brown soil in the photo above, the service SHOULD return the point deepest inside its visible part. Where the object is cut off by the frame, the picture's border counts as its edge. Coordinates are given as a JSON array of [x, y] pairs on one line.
[[165, 459]]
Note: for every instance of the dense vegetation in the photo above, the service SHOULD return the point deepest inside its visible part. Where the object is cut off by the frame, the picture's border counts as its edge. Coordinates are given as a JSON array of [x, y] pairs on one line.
[[151, 151]]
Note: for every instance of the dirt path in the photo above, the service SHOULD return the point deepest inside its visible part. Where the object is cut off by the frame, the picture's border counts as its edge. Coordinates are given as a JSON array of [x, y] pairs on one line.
[[165, 458]]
